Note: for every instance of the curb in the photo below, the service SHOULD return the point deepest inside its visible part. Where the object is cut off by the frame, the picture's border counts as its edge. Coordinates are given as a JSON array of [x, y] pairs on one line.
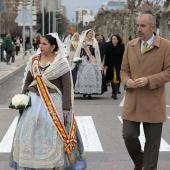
[[20, 67], [4, 78]]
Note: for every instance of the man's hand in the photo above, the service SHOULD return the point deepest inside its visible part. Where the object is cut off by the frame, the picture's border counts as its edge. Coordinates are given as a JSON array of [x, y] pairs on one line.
[[141, 82], [131, 84]]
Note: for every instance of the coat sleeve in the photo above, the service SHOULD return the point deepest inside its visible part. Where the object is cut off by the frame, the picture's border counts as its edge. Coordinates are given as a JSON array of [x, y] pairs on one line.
[[66, 83], [106, 62], [5, 45], [122, 51], [125, 68], [27, 82], [163, 77]]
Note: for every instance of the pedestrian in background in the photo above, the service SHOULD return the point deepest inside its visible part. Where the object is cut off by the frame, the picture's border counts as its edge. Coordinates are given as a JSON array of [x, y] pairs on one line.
[[89, 77], [101, 46], [113, 61], [13, 53], [8, 45], [27, 44], [73, 46], [144, 72], [38, 41], [17, 45], [35, 43]]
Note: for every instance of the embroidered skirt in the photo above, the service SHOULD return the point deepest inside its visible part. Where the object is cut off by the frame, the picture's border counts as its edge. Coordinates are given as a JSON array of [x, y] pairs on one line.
[[89, 78], [37, 144]]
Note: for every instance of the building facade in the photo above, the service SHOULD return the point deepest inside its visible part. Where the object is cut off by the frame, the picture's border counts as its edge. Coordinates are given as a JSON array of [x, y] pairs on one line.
[[116, 5], [81, 12]]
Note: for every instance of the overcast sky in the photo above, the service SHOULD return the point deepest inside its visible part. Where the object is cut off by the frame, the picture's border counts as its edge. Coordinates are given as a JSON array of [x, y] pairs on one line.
[[73, 5]]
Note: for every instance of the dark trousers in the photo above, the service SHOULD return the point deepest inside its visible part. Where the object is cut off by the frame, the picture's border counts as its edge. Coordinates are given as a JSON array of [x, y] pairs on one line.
[[153, 131], [8, 56], [17, 49], [114, 88]]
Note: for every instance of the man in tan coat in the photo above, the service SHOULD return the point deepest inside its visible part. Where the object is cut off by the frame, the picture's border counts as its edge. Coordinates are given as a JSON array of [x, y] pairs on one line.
[[144, 72]]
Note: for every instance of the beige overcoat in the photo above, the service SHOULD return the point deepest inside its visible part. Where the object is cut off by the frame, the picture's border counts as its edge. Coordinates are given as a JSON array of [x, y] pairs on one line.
[[146, 104]]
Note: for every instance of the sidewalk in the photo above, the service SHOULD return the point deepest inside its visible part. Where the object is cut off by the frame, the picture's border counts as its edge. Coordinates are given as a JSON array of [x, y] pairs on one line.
[[6, 71]]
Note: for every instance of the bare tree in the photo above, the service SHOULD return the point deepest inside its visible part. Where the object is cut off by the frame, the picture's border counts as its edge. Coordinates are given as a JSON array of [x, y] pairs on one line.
[[8, 18], [164, 15], [130, 21]]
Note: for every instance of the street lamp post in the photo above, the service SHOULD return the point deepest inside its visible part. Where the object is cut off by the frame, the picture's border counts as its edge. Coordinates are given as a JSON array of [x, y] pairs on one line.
[[42, 6], [23, 31], [49, 17], [54, 21], [57, 25], [58, 21], [168, 24], [31, 23]]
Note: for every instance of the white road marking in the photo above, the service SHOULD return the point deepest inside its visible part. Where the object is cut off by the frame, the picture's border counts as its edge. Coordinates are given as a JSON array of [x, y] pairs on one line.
[[89, 134], [6, 143], [164, 146], [86, 126], [123, 100]]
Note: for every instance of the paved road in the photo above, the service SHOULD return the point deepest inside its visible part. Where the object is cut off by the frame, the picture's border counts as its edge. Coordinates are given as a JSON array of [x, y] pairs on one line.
[[100, 127]]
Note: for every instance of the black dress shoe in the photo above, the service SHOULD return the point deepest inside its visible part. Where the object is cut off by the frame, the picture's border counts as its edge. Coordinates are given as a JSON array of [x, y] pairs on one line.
[[115, 97], [138, 167], [119, 92]]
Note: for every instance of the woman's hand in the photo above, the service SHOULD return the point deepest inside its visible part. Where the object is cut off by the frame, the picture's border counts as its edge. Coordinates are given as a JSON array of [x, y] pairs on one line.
[[65, 114]]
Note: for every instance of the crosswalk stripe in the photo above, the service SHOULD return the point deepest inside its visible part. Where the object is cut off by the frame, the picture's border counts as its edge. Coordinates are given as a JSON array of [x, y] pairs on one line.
[[86, 126], [89, 134], [4, 108], [6, 143], [123, 100], [164, 146]]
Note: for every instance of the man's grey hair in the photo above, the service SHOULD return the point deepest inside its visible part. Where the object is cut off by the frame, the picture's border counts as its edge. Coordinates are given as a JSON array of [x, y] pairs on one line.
[[151, 18]]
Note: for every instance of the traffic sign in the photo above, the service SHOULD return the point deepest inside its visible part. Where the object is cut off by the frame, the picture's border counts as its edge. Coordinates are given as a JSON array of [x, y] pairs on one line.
[[33, 13], [24, 17], [3, 7]]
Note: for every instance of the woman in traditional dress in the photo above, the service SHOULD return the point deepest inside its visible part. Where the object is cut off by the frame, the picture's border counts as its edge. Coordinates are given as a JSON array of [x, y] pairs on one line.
[[46, 136], [73, 46], [67, 41], [113, 60], [89, 77]]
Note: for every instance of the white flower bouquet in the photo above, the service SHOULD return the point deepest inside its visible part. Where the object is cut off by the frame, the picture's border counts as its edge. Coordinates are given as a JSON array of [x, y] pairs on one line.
[[20, 101]]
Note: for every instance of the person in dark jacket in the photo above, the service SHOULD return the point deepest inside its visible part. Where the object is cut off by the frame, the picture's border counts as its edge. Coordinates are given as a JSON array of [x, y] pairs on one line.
[[101, 46], [8, 45], [113, 60]]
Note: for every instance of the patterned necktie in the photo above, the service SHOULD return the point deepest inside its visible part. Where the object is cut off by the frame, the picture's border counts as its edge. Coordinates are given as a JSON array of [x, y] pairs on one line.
[[145, 47]]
